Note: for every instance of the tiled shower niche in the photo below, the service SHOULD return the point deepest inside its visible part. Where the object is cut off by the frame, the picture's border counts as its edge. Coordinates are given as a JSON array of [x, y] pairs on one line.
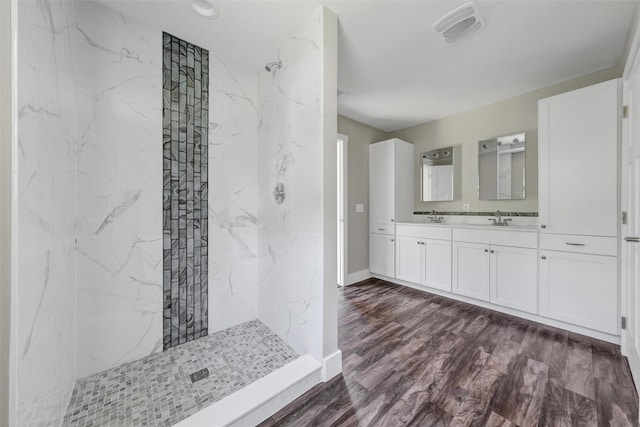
[[185, 112]]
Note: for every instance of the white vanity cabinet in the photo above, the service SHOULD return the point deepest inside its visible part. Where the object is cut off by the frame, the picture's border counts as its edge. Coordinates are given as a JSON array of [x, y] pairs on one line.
[[497, 266], [382, 254], [578, 149], [514, 278], [579, 289], [390, 181], [471, 270], [390, 200], [423, 255], [578, 161]]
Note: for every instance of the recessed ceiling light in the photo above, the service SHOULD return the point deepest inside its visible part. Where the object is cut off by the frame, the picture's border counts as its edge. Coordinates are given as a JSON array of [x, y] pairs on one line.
[[205, 8], [460, 23]]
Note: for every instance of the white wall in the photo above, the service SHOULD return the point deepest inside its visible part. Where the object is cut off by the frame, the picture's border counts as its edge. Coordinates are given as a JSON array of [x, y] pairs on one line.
[[331, 356], [47, 204], [290, 151], [6, 203], [119, 224], [120, 190], [233, 207]]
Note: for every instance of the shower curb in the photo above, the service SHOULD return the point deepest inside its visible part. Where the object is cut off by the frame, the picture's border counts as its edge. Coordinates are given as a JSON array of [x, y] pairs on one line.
[[260, 399]]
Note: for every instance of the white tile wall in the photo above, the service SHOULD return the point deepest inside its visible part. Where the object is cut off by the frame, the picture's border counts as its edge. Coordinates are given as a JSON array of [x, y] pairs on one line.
[[289, 152], [119, 220], [120, 190], [233, 223], [46, 204]]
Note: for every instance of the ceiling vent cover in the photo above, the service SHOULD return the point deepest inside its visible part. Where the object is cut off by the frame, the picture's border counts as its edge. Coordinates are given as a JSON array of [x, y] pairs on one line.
[[460, 23]]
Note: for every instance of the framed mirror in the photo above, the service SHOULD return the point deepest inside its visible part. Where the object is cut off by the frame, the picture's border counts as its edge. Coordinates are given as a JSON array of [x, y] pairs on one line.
[[437, 175], [501, 168]]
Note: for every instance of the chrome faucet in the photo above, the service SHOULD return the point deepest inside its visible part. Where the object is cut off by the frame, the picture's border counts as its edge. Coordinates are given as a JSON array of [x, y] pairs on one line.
[[499, 221], [434, 219]]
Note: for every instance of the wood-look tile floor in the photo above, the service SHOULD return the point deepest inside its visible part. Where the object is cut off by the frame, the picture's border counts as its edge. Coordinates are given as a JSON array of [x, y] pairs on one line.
[[413, 358]]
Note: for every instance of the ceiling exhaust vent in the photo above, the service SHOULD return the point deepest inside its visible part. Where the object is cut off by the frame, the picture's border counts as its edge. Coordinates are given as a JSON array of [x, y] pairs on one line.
[[460, 23]]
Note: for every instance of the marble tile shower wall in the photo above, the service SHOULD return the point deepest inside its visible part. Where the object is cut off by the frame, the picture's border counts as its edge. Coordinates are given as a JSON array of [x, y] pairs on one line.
[[290, 234], [185, 97], [90, 167], [119, 225], [120, 265], [233, 193], [46, 204]]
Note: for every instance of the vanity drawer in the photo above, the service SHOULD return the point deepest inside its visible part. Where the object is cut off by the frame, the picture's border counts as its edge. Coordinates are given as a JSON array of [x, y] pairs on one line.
[[520, 239], [580, 244], [424, 231], [382, 228]]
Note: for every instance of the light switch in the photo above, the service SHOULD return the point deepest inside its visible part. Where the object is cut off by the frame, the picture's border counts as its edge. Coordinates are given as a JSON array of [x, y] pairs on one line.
[[359, 207]]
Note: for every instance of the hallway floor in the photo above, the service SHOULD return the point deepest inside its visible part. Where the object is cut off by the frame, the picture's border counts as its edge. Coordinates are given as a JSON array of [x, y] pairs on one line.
[[413, 358], [158, 390]]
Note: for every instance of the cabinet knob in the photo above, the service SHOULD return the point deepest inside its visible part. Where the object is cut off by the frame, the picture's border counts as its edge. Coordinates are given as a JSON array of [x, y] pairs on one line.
[[543, 226], [392, 240], [543, 257], [486, 250], [419, 243], [391, 220], [492, 251]]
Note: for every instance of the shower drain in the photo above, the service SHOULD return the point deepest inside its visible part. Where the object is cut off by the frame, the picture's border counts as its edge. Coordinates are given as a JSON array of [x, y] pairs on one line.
[[199, 375]]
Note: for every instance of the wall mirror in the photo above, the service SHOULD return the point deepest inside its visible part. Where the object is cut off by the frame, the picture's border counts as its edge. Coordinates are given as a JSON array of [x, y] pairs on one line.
[[437, 175], [501, 168]]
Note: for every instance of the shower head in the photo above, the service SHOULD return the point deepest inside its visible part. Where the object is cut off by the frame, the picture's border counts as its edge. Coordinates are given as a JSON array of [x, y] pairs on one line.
[[273, 65]]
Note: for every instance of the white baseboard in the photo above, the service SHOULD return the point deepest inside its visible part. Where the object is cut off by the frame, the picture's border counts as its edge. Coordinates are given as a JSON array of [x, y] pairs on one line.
[[331, 366], [358, 276], [262, 398]]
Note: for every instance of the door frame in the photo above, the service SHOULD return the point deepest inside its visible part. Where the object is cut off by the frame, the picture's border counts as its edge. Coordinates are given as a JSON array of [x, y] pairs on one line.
[[343, 211], [626, 341]]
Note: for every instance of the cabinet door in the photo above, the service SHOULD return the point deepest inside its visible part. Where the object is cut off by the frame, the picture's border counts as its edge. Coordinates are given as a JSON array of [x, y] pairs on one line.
[[471, 270], [437, 264], [409, 259], [514, 278], [381, 182], [578, 158], [580, 289], [382, 254]]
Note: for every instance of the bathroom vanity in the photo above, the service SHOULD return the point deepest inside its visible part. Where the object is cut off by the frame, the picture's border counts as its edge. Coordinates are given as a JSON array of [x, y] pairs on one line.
[[561, 270]]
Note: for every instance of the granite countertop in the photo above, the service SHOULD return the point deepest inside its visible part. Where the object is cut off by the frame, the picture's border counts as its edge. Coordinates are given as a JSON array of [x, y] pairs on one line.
[[488, 226]]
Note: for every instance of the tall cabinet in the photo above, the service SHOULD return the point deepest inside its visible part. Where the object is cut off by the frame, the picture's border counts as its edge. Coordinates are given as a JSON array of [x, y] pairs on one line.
[[578, 149], [390, 200]]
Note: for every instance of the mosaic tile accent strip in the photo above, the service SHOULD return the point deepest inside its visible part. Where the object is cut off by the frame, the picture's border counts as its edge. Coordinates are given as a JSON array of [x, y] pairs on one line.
[[522, 214], [157, 390], [185, 112]]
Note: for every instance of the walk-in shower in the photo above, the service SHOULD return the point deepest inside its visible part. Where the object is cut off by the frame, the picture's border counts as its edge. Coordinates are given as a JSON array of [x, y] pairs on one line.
[[157, 274]]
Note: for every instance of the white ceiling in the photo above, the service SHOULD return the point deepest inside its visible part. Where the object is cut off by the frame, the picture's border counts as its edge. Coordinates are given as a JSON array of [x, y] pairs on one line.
[[394, 69]]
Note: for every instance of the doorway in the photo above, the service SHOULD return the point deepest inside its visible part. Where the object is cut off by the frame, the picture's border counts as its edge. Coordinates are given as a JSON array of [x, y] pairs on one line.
[[342, 250]]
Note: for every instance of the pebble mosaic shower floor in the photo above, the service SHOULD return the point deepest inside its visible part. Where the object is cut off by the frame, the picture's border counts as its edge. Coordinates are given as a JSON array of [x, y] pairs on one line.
[[158, 391]]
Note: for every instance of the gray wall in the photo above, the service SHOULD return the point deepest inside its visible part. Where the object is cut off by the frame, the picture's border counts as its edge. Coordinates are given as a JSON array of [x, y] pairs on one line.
[[517, 114], [5, 207], [360, 136]]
